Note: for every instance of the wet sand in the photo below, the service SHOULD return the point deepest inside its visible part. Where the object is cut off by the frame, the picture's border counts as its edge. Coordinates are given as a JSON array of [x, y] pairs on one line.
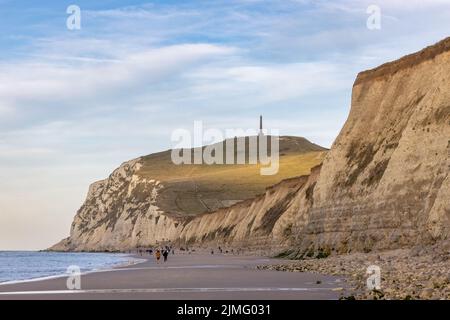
[[186, 276]]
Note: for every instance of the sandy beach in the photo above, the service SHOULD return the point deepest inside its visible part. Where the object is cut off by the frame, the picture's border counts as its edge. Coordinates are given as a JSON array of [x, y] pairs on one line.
[[186, 276]]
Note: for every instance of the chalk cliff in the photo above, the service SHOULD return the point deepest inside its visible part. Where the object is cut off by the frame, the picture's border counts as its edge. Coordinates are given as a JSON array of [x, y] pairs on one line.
[[119, 213], [384, 183], [150, 200]]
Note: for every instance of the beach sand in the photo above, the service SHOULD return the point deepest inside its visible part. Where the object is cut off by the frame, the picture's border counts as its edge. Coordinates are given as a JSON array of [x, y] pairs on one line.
[[186, 276]]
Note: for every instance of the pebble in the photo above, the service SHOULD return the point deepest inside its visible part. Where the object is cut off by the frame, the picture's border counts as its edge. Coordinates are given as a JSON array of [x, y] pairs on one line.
[[404, 273]]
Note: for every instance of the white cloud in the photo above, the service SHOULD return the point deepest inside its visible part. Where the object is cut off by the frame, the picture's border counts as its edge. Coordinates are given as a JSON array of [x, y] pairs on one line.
[[262, 84], [354, 6], [145, 11], [40, 83], [5, 110], [9, 151], [411, 4]]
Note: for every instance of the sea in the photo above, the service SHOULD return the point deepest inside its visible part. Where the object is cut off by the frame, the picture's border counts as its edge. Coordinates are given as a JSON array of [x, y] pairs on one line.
[[26, 265]]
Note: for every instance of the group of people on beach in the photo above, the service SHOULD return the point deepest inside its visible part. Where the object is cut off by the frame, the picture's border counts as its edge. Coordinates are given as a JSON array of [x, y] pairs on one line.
[[158, 253], [163, 252], [238, 251]]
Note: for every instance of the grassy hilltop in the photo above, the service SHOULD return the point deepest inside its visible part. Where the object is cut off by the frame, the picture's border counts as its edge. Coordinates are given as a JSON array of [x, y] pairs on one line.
[[198, 188]]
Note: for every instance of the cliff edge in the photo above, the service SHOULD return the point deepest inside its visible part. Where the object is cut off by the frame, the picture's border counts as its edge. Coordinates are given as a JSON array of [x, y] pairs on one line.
[[384, 184]]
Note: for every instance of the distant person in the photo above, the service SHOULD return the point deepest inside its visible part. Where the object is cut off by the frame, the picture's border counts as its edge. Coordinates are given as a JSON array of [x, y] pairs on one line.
[[165, 254], [173, 251], [158, 256], [212, 251]]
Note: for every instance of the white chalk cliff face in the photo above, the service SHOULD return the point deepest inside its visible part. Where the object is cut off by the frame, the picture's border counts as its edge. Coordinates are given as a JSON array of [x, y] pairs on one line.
[[119, 213], [384, 183], [150, 200]]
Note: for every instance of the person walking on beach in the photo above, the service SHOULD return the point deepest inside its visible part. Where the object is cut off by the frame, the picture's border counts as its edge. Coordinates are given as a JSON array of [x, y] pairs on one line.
[[165, 254], [158, 255]]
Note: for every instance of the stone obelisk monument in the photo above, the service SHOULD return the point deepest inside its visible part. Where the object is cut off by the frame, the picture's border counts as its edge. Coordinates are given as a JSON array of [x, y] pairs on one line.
[[260, 125]]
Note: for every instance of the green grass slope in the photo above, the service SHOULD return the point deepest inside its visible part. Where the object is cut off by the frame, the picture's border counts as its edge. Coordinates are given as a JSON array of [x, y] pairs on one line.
[[198, 188]]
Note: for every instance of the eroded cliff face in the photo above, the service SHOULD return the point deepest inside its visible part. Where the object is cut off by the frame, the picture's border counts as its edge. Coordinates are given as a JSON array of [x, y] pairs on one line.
[[249, 224], [120, 213], [384, 183]]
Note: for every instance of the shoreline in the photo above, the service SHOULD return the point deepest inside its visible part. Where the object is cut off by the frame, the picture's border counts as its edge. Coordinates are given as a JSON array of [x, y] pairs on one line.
[[137, 261], [196, 276]]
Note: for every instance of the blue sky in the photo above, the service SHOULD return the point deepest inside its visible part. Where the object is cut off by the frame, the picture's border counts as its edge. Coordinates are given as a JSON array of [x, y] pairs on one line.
[[75, 104]]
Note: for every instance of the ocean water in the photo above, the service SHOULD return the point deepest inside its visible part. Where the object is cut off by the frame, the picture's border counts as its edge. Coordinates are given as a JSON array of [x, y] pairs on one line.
[[24, 265]]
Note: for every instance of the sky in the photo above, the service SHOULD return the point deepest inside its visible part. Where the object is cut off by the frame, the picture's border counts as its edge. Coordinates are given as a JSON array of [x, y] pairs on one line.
[[75, 104]]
